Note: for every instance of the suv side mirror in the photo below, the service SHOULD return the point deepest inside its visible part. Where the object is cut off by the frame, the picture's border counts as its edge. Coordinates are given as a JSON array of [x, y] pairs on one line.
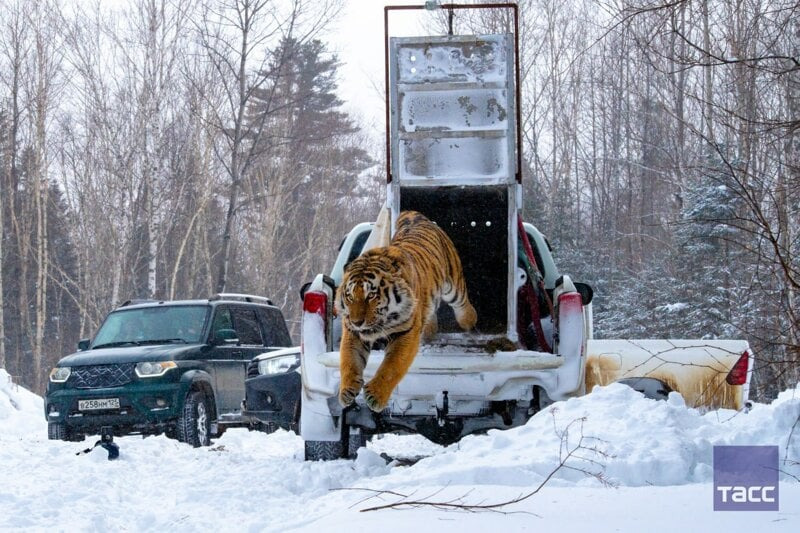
[[83, 344], [225, 336]]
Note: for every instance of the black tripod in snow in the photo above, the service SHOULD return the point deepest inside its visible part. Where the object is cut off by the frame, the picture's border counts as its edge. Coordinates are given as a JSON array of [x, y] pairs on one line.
[[106, 441]]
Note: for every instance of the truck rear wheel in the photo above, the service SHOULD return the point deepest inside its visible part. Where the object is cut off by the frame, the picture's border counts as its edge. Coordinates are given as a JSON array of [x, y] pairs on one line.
[[316, 450], [323, 450]]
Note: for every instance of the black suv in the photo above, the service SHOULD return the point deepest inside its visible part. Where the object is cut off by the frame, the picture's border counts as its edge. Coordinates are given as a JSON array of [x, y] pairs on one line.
[[174, 367]]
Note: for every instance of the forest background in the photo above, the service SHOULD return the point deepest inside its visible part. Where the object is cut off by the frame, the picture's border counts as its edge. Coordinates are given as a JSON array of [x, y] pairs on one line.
[[167, 149]]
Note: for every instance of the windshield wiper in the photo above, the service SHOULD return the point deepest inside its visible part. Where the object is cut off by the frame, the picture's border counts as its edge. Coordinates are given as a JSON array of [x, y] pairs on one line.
[[114, 344], [163, 341]]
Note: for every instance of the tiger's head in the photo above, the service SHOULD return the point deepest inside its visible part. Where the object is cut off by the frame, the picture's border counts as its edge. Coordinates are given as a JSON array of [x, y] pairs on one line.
[[374, 298]]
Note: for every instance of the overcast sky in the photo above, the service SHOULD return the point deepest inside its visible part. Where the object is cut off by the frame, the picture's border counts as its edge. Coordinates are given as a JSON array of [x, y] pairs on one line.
[[357, 37]]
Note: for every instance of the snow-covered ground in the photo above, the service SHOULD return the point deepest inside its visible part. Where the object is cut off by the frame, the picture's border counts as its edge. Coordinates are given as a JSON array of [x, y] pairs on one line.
[[656, 454]]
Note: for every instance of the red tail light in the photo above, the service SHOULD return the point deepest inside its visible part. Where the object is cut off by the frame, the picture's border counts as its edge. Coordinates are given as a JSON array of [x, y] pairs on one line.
[[738, 374], [317, 303], [571, 301]]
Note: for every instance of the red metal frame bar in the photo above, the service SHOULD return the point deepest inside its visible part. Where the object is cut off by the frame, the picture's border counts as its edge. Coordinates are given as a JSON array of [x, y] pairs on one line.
[[518, 113]]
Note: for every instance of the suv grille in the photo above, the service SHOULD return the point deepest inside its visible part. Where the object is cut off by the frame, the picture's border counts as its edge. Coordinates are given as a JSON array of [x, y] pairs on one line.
[[99, 376]]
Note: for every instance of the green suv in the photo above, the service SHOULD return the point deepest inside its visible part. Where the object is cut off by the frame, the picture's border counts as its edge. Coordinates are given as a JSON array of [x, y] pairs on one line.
[[174, 367]]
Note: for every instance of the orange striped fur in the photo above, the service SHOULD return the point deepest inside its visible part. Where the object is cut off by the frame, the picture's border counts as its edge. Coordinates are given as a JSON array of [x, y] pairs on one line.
[[393, 293]]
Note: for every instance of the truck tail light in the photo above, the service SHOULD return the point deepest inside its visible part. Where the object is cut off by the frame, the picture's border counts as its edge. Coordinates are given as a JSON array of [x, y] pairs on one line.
[[317, 303], [570, 301], [570, 324], [738, 374]]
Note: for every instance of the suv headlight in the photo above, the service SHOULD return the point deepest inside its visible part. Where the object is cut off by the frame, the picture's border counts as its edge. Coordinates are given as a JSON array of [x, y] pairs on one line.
[[60, 374], [154, 369], [278, 365]]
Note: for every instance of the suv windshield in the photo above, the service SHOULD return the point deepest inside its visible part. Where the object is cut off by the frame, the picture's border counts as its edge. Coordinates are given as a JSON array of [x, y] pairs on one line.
[[149, 325]]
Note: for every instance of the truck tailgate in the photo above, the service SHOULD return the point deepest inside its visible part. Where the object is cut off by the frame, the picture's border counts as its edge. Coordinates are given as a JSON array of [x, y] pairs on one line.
[[460, 363], [498, 376]]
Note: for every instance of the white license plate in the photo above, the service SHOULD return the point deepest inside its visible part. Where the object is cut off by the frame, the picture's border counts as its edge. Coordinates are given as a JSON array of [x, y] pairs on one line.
[[93, 405]]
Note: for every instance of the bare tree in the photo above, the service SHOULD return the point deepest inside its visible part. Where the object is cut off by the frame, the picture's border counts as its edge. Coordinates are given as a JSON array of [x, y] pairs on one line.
[[30, 44], [14, 48], [44, 85], [235, 35]]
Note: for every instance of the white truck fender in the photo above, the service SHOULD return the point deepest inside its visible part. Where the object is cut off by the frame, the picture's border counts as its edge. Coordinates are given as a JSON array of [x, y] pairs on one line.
[[316, 423]]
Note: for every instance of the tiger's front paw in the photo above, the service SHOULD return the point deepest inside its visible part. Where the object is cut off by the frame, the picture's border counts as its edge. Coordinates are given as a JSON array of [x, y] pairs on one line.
[[429, 329], [376, 397], [348, 393]]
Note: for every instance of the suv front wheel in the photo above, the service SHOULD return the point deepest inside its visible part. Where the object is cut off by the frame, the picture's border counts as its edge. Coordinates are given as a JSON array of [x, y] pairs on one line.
[[194, 425], [57, 431], [60, 431]]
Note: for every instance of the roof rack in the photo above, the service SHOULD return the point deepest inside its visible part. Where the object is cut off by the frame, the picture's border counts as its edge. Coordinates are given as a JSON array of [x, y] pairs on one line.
[[136, 301], [240, 297]]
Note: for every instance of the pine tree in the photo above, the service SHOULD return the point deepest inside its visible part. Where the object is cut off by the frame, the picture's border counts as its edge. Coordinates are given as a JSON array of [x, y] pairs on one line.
[[310, 165], [710, 239]]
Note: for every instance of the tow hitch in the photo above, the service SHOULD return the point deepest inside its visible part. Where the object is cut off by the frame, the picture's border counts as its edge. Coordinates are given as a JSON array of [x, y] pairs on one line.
[[442, 408], [107, 442]]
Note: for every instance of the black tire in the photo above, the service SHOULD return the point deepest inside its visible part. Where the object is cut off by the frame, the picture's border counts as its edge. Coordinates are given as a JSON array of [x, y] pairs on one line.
[[194, 425], [322, 450], [330, 450], [57, 431]]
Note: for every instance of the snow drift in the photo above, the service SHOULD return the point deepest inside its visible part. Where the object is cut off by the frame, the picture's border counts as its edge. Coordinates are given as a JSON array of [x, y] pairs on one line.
[[638, 441], [21, 411], [260, 482]]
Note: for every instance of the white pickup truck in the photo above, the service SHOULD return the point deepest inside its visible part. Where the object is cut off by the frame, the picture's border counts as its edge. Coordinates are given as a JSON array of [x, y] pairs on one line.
[[461, 384], [453, 147]]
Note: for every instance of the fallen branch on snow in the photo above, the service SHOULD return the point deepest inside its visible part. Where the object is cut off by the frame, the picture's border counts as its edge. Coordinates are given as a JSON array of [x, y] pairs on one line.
[[566, 455]]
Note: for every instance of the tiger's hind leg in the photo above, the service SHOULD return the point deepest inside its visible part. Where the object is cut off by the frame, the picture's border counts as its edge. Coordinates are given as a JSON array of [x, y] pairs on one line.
[[456, 296], [353, 353], [466, 316], [400, 353]]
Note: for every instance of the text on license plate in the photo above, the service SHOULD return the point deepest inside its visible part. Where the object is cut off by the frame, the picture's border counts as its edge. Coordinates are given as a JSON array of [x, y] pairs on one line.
[[100, 403]]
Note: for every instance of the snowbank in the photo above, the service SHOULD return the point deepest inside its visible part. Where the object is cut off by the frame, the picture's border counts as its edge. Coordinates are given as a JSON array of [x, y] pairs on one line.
[[21, 411], [252, 481], [641, 442]]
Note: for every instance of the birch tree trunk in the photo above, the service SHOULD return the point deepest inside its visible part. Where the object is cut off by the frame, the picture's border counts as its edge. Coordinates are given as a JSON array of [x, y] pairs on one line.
[[708, 90], [3, 194], [16, 52], [45, 72]]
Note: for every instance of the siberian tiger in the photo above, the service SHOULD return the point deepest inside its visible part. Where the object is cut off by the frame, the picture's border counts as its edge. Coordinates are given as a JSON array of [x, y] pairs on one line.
[[393, 293]]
